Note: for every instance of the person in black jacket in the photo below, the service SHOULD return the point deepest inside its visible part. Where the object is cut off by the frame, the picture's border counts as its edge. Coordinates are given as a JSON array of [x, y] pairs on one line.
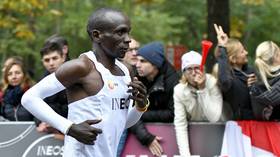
[[52, 58], [160, 77], [265, 93], [234, 75]]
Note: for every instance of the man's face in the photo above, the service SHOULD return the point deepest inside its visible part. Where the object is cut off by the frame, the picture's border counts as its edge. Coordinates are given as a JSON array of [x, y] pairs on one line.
[[114, 41], [52, 61], [131, 55], [144, 67]]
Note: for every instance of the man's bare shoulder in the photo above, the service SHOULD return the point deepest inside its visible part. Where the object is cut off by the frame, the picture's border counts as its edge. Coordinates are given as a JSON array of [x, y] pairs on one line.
[[73, 70]]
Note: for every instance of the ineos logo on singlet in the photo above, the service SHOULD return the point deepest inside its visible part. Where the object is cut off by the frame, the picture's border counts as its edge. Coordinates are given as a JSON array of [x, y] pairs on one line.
[[119, 104], [112, 84]]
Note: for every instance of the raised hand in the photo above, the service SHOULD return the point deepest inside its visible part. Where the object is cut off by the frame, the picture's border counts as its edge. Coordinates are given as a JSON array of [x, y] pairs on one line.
[[139, 92], [221, 35], [84, 132]]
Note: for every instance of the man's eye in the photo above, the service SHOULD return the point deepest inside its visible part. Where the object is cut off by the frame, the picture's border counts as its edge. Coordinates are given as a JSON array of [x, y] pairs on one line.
[[120, 33]]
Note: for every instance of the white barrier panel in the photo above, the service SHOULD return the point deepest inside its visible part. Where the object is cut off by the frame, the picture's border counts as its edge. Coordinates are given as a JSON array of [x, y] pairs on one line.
[[20, 139]]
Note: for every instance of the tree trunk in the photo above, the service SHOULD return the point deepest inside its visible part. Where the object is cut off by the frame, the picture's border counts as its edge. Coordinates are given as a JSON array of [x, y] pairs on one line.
[[218, 12]]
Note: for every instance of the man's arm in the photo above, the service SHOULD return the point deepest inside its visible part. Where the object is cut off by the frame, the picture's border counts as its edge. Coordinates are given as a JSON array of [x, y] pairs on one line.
[[67, 74], [32, 100]]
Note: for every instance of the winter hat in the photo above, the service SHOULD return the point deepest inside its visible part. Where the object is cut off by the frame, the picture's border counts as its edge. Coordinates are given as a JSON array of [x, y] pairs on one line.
[[190, 58], [153, 52]]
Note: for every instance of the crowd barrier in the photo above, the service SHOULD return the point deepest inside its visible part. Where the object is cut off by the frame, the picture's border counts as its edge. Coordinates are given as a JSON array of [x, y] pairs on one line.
[[20, 139]]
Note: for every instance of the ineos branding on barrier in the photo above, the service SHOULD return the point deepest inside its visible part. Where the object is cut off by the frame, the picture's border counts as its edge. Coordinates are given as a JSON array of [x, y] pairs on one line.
[[50, 150], [20, 139], [44, 146]]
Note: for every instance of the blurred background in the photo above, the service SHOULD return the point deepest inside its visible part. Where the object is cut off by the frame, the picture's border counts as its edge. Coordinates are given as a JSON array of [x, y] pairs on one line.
[[25, 24]]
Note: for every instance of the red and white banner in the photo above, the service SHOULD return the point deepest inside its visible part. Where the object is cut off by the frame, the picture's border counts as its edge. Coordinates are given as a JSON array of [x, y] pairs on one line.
[[251, 139]]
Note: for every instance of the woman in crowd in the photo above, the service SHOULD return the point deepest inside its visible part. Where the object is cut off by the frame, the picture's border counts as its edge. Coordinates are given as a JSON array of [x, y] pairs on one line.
[[265, 93], [196, 98], [15, 82], [234, 75]]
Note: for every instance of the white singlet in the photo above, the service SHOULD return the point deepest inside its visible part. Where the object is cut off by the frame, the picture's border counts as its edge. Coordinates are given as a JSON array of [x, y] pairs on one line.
[[111, 104]]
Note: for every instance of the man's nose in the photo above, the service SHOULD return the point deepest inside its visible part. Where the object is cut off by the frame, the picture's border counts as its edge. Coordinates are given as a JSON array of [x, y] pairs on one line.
[[51, 62], [138, 64], [134, 51], [127, 38]]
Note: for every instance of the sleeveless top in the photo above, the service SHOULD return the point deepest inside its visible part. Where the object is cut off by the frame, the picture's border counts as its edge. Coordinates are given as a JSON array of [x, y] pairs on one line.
[[110, 104]]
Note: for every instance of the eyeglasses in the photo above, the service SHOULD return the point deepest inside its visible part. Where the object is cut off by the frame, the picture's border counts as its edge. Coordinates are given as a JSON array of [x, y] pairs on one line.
[[132, 49], [189, 70]]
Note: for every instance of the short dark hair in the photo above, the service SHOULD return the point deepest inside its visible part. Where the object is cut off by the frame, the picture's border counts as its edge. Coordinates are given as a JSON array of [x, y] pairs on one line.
[[97, 20], [57, 39], [50, 47]]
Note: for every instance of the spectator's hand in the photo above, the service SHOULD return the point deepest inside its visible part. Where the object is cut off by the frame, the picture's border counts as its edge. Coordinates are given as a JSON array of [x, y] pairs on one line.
[[221, 35], [267, 112], [155, 148], [59, 136], [46, 128], [84, 132], [42, 127], [139, 92], [200, 79], [251, 79]]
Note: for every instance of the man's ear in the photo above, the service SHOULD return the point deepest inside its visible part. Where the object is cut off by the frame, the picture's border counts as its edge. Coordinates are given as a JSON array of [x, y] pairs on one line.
[[96, 35]]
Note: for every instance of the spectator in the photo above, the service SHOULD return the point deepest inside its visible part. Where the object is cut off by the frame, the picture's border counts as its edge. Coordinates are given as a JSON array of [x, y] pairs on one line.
[[52, 58], [131, 54], [62, 42], [15, 82], [196, 98], [9, 60], [265, 93], [234, 75], [131, 59], [160, 77]]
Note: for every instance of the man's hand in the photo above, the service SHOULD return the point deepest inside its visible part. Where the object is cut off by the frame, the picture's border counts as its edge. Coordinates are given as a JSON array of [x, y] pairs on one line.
[[155, 148], [84, 132], [139, 92]]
